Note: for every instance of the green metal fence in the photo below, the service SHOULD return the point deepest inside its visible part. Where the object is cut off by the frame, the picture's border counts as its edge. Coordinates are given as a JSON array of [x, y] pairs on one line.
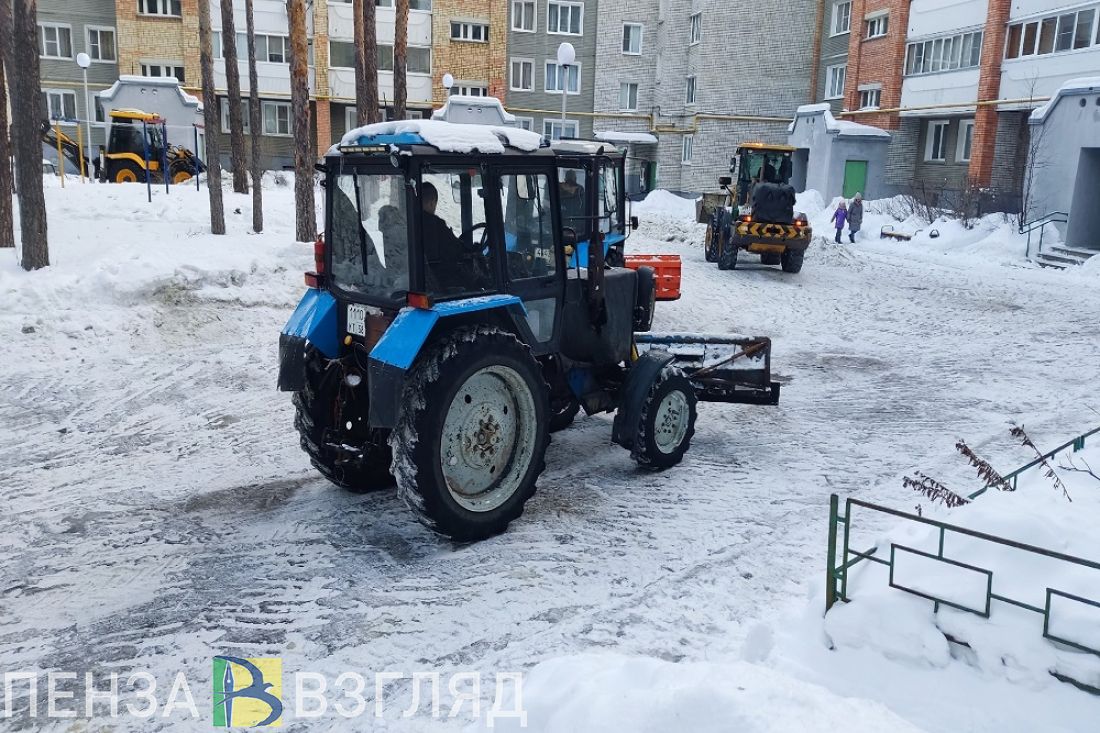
[[1076, 444]]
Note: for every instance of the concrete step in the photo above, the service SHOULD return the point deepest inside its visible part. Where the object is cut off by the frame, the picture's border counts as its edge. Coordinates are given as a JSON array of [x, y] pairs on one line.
[[1080, 252], [1063, 257]]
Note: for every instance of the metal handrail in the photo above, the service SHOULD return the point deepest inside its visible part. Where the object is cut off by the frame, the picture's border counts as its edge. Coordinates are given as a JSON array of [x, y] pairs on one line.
[[1027, 227], [1077, 444]]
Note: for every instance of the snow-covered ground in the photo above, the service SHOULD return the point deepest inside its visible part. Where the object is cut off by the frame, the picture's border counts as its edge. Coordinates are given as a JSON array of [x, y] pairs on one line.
[[157, 510]]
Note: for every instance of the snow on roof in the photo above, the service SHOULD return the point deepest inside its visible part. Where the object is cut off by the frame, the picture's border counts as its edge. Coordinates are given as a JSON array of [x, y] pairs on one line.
[[489, 103], [449, 137], [843, 128], [620, 136], [1081, 85]]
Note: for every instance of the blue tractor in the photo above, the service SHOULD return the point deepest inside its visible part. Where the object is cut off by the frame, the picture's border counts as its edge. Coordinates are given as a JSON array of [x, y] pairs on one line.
[[445, 334]]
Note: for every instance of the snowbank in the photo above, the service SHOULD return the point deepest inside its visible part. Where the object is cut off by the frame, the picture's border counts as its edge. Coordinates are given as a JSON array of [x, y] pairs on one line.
[[606, 692], [664, 204]]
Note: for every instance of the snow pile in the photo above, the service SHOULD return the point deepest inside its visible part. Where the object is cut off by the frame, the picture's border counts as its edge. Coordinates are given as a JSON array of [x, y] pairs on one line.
[[665, 205], [607, 692], [449, 136], [1009, 644], [622, 136]]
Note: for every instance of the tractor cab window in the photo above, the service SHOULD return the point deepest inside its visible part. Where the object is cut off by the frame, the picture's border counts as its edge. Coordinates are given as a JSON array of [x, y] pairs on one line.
[[609, 197], [528, 225], [126, 138], [767, 167], [369, 235], [156, 142], [571, 193], [454, 232]]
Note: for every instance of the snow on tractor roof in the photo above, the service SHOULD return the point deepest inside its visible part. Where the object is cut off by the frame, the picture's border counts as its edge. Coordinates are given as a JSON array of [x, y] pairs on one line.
[[447, 137]]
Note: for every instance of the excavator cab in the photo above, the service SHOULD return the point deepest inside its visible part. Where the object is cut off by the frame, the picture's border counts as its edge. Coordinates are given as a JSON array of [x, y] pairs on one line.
[[760, 163]]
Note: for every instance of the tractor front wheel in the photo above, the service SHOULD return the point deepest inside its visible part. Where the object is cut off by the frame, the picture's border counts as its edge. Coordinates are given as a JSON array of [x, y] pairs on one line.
[[668, 421], [770, 258], [331, 418], [711, 243], [471, 436], [129, 173], [727, 256], [563, 413]]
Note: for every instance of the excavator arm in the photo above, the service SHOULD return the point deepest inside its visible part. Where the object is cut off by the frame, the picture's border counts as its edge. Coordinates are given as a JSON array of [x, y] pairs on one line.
[[69, 148]]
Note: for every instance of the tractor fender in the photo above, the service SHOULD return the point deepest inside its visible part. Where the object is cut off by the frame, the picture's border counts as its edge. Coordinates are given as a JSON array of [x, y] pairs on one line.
[[397, 350], [313, 323], [643, 373]]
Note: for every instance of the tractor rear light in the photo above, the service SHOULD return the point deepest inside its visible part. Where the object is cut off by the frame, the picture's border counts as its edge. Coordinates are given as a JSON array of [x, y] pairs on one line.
[[314, 280], [746, 218], [419, 300]]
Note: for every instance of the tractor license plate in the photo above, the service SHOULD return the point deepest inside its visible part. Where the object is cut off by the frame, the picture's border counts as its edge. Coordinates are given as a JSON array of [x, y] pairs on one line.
[[357, 319]]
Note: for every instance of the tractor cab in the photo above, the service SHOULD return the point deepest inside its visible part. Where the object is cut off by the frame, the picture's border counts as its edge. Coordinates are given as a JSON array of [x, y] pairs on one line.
[[760, 163], [590, 180], [444, 335], [137, 148]]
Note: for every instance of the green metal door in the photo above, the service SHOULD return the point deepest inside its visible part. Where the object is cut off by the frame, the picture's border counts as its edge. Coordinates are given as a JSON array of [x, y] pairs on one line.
[[855, 178]]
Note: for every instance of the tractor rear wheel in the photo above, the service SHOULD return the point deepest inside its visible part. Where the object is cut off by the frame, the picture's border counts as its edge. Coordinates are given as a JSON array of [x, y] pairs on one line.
[[331, 419], [770, 258], [668, 421], [710, 244], [563, 413], [792, 260], [471, 436], [727, 256]]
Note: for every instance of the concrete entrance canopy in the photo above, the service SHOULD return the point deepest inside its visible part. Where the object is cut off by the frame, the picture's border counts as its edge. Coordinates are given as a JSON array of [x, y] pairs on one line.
[[474, 111], [1064, 161], [159, 95], [826, 144]]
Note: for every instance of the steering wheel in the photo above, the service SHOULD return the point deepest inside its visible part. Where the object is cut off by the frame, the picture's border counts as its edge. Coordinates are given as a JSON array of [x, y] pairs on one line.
[[467, 238]]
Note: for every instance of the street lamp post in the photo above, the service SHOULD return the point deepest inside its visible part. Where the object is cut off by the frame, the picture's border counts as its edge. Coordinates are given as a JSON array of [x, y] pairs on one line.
[[566, 56], [448, 83], [83, 60]]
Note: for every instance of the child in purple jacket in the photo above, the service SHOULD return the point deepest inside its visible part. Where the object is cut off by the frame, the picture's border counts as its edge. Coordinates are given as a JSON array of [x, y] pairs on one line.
[[839, 217]]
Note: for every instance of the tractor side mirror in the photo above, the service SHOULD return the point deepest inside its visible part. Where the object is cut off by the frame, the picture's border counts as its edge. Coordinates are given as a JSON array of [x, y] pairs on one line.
[[634, 223], [725, 181]]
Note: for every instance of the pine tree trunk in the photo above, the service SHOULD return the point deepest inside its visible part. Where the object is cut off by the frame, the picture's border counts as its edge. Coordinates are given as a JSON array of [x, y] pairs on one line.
[[233, 87], [366, 62], [304, 215], [400, 60], [20, 49], [7, 209], [210, 122], [254, 121]]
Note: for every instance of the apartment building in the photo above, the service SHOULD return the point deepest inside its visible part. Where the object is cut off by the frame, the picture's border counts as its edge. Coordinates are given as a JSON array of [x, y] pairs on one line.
[[682, 83], [535, 80], [65, 30], [156, 38], [469, 41]]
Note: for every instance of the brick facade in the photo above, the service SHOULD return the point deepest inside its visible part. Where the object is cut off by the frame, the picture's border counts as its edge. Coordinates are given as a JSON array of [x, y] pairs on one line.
[[877, 60], [989, 87], [471, 63], [149, 38]]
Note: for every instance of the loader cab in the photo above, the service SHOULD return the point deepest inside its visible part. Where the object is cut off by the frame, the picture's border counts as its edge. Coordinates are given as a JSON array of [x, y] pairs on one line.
[[134, 138], [590, 180], [760, 163]]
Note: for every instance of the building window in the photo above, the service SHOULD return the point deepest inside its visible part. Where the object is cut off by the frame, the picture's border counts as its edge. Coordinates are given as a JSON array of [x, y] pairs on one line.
[[523, 16], [687, 149], [174, 69], [55, 41], [471, 91], [842, 17], [834, 81], [101, 43], [60, 105], [632, 38], [877, 26], [628, 96], [696, 33], [1055, 33], [277, 118], [870, 98], [96, 107], [565, 18], [963, 51], [224, 107], [476, 32], [351, 118], [523, 75], [525, 123], [555, 78], [552, 129], [385, 57], [689, 98], [935, 147], [170, 8], [341, 54], [419, 60], [425, 5], [966, 141]]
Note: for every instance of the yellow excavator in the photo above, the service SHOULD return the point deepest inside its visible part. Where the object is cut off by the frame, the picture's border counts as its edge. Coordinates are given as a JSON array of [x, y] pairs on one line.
[[137, 139]]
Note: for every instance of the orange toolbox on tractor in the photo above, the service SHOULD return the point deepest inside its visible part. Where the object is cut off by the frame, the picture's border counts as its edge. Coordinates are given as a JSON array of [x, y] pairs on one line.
[[666, 268]]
